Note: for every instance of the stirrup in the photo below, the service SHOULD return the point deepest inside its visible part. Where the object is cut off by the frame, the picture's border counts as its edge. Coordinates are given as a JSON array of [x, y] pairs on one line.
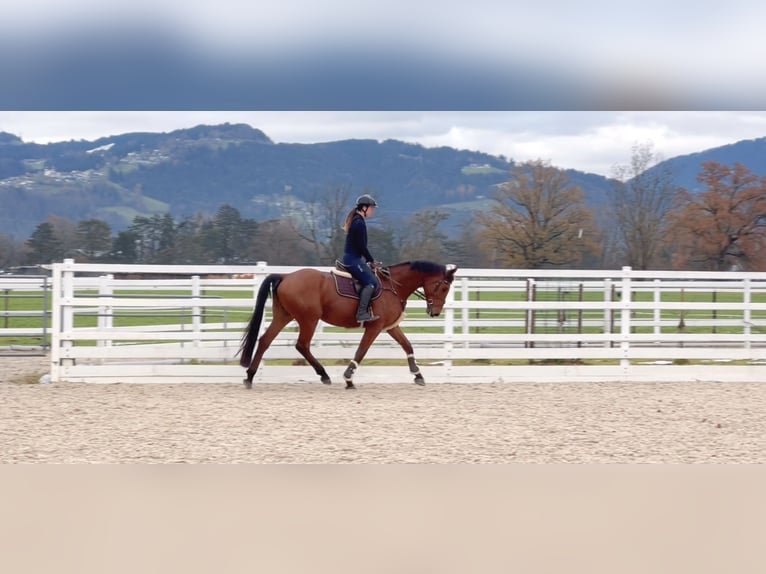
[[367, 317]]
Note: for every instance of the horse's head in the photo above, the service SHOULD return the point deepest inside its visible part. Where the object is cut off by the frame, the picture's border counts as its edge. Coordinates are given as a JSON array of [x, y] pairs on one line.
[[436, 287]]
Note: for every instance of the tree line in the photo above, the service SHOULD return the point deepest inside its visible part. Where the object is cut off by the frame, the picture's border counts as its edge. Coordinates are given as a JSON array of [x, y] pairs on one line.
[[537, 219]]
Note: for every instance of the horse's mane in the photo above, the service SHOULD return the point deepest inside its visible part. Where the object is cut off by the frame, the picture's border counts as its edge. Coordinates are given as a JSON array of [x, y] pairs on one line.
[[423, 266]]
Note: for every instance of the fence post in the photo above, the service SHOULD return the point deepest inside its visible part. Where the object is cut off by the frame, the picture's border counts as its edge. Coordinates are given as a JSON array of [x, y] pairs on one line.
[[714, 312], [579, 312], [105, 312], [449, 330], [681, 318], [55, 321], [625, 327], [657, 313], [46, 311], [608, 311], [464, 296], [62, 319], [196, 314], [529, 327], [747, 295], [261, 270]]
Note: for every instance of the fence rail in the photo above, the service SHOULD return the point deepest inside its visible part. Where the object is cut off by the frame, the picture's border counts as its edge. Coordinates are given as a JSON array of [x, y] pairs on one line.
[[183, 323], [25, 315]]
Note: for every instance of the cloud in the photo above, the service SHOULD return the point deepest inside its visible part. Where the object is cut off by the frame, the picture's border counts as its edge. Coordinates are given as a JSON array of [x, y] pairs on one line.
[[270, 55]]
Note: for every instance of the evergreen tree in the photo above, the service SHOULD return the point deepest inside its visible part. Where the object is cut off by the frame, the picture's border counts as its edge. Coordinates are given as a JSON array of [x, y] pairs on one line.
[[125, 248], [44, 246], [94, 238]]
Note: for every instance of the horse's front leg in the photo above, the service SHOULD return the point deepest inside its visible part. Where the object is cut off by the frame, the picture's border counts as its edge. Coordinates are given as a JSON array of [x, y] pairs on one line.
[[398, 335], [370, 334]]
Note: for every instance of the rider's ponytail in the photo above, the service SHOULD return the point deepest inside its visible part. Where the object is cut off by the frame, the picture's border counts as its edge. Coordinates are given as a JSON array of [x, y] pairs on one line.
[[349, 219]]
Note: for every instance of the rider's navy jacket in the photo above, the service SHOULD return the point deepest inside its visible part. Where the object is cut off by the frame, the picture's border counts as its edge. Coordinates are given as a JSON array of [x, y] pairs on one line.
[[356, 240]]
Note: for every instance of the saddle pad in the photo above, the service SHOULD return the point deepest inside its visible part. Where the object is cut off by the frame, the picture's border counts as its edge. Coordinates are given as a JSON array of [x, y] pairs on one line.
[[347, 286]]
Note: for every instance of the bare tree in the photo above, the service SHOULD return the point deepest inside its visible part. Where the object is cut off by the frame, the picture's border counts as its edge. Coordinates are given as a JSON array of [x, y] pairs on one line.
[[724, 227], [10, 251], [640, 201], [538, 219], [94, 238], [324, 223], [66, 232], [465, 250], [422, 238], [278, 242]]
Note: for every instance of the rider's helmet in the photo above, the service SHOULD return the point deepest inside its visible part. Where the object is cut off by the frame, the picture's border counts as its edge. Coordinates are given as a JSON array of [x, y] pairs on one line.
[[366, 200]]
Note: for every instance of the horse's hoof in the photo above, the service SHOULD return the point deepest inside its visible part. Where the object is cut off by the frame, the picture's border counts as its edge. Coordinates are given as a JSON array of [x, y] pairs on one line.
[[350, 385], [326, 381], [248, 384], [421, 382]]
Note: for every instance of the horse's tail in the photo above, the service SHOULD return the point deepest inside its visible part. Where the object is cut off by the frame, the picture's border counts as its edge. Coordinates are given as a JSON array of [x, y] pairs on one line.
[[250, 337]]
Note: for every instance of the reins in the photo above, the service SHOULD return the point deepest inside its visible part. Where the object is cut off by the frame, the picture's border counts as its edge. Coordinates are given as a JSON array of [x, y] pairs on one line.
[[420, 295], [383, 272]]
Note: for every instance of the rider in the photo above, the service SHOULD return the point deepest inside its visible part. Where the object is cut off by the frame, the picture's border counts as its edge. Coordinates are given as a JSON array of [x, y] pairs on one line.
[[356, 255]]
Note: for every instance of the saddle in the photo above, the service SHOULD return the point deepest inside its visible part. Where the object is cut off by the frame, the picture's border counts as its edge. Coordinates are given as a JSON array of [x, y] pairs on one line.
[[346, 285]]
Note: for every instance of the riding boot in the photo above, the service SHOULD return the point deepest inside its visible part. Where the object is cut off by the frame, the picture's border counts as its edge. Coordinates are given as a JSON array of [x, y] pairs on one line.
[[363, 312]]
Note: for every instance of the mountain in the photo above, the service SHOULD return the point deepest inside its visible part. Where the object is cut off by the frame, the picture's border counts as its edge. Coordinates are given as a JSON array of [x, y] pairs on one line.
[[199, 169], [685, 168]]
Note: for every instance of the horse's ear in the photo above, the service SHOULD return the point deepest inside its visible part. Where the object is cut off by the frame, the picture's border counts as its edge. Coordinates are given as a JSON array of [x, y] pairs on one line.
[[450, 270]]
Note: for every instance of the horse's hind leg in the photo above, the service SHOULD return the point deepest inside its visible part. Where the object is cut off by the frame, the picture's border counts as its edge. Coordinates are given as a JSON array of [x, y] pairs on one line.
[[303, 346], [279, 321], [398, 335]]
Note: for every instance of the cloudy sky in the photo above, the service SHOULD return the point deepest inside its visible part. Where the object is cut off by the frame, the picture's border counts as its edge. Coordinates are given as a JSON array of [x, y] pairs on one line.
[[323, 71], [588, 141], [399, 54]]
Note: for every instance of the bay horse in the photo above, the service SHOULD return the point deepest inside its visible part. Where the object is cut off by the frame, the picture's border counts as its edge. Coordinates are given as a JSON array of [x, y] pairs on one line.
[[308, 295]]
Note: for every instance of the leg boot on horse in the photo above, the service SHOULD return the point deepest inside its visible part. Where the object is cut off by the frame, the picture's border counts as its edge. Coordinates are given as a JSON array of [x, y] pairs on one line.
[[363, 312]]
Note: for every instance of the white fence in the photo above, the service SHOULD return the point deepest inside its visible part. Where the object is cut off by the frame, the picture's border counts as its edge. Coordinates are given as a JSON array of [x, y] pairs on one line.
[[24, 314], [131, 323]]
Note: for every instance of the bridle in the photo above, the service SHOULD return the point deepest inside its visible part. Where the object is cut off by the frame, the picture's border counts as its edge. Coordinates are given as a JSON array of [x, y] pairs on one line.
[[419, 292]]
